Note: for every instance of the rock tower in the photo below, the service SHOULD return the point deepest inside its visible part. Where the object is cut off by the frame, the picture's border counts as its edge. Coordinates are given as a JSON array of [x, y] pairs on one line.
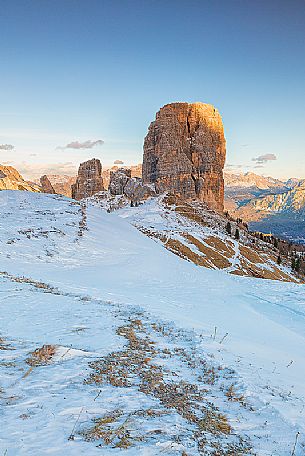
[[185, 151], [89, 180], [46, 185]]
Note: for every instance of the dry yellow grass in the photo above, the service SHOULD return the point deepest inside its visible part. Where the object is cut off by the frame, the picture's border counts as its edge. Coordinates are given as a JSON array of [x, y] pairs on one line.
[[185, 252], [215, 252], [250, 254], [41, 356], [226, 248], [216, 258]]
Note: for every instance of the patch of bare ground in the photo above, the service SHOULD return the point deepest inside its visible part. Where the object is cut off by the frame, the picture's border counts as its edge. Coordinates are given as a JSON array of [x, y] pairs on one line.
[[184, 208], [254, 259], [189, 212], [250, 254], [252, 263], [138, 366], [21, 279], [233, 396], [178, 248], [82, 225], [185, 252], [226, 248], [213, 255], [114, 427], [41, 356], [4, 345]]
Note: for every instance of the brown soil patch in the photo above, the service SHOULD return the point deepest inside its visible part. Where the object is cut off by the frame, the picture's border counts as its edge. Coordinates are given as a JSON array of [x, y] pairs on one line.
[[4, 345]]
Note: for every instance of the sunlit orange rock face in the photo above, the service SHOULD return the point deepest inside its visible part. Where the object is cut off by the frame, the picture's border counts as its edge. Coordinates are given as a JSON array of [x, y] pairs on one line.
[[184, 153]]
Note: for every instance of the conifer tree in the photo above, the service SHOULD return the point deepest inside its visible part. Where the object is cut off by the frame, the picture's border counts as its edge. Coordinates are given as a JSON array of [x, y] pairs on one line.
[[297, 265]]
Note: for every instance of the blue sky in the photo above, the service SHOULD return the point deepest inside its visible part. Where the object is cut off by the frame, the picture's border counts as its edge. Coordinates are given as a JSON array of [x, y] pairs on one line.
[[79, 70]]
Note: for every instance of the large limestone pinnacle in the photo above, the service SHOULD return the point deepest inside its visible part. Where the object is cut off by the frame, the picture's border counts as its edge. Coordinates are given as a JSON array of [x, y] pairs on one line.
[[185, 151]]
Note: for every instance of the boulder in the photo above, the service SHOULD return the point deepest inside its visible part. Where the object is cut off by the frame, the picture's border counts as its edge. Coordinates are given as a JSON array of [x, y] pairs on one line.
[[136, 191], [118, 180]]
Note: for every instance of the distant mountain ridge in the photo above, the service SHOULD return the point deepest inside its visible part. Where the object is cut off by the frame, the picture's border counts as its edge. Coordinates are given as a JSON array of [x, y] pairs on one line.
[[250, 179], [282, 214], [292, 201], [241, 188]]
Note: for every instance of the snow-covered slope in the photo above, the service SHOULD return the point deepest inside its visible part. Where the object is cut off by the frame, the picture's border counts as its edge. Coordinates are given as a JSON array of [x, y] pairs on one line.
[[193, 232], [146, 353]]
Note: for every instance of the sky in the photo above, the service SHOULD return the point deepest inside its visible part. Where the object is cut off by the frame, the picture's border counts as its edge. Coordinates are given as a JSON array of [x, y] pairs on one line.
[[91, 74]]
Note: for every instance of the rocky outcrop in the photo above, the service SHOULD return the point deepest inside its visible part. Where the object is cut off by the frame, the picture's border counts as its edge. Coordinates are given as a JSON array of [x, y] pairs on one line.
[[136, 171], [184, 153], [89, 180], [136, 191], [11, 179], [121, 183], [46, 185], [118, 180]]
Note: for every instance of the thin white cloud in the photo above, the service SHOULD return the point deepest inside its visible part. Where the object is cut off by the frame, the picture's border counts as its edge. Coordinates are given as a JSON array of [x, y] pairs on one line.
[[230, 166], [6, 147], [264, 158], [89, 144]]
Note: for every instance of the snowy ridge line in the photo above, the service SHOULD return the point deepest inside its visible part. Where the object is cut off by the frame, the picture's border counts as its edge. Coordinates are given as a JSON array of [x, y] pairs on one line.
[[196, 234]]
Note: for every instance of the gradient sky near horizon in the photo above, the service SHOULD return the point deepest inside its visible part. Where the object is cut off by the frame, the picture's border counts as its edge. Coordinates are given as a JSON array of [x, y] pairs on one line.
[[86, 70]]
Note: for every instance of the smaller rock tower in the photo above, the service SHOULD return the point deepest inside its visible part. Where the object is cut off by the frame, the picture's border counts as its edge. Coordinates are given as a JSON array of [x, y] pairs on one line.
[[89, 180], [46, 185]]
